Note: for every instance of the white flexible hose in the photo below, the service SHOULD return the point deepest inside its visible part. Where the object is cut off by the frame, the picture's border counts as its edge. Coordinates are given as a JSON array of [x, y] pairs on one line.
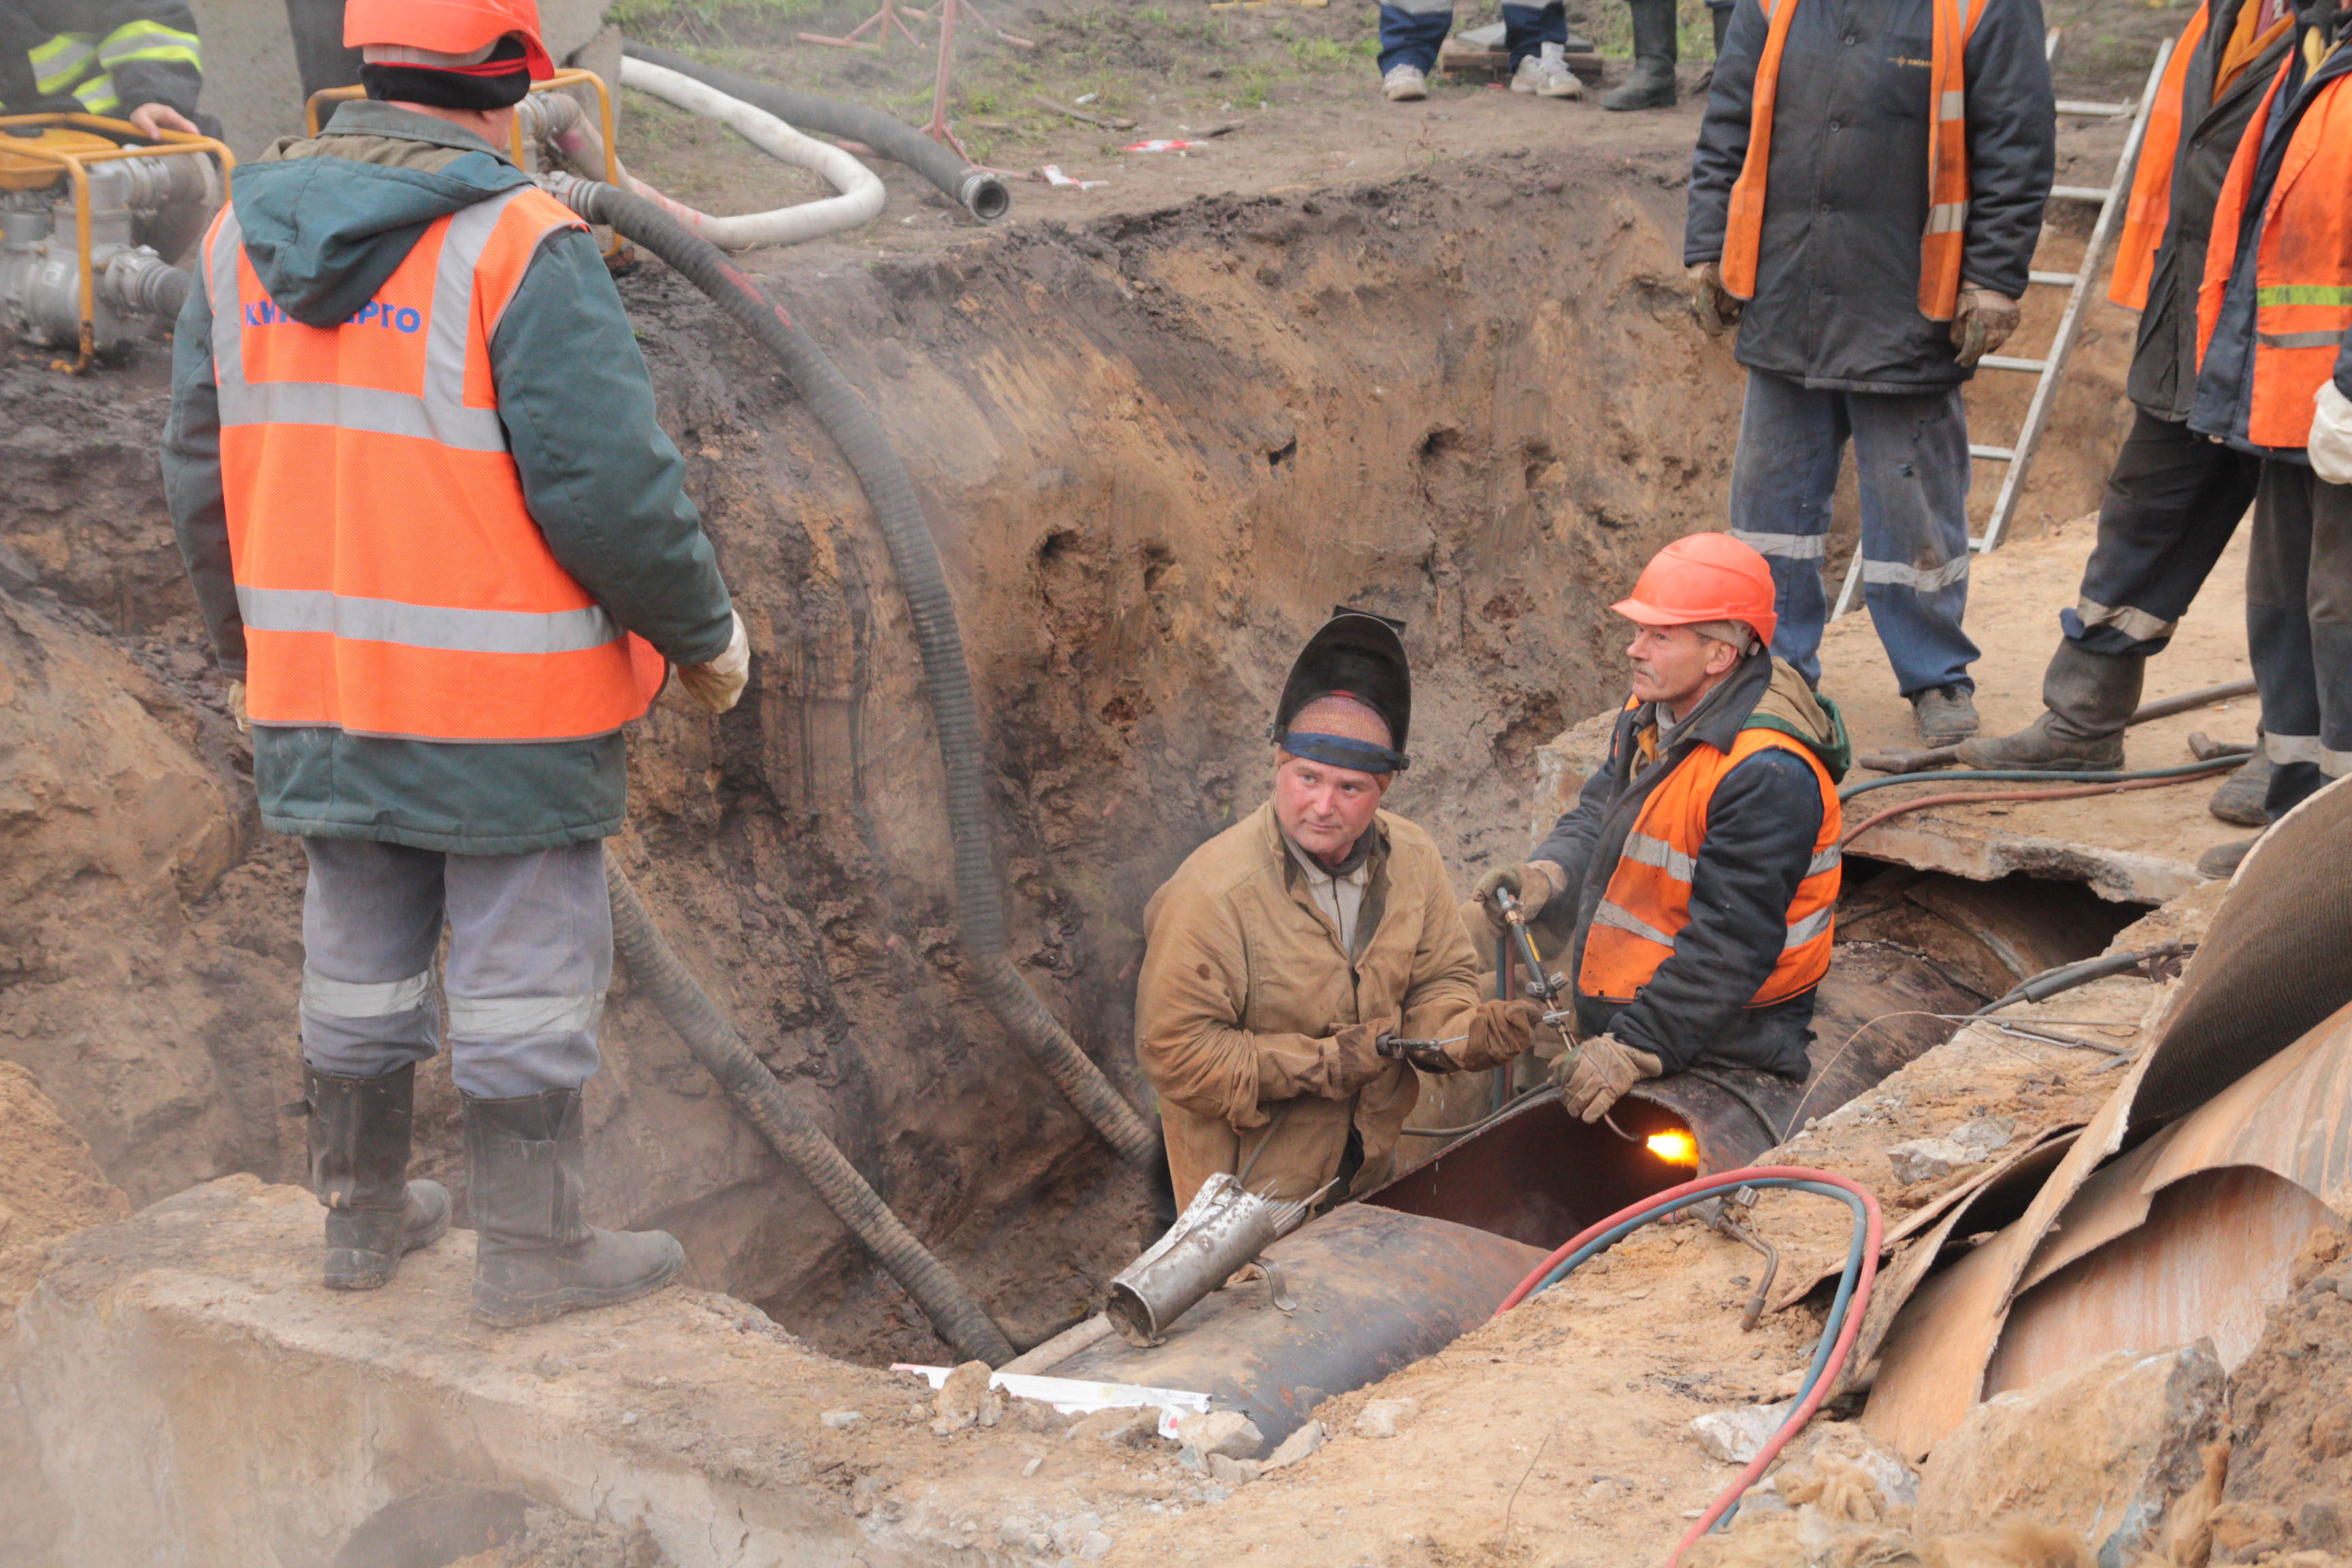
[[860, 187]]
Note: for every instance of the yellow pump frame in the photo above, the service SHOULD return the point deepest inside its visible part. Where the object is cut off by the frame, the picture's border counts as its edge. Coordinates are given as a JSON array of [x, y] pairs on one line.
[[74, 165]]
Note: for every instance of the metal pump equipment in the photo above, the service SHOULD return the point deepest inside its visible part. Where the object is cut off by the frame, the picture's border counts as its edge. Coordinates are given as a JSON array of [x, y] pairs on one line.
[[86, 224]]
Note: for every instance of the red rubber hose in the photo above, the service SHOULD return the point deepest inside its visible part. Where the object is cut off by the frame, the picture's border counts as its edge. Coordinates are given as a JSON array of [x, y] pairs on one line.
[[1963, 797]]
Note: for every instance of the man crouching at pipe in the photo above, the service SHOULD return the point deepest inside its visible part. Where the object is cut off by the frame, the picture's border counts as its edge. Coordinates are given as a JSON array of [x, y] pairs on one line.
[[1288, 955], [1696, 876]]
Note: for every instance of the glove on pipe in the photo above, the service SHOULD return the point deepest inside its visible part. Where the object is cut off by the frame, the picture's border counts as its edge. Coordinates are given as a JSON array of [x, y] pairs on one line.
[[915, 557], [1603, 1068]]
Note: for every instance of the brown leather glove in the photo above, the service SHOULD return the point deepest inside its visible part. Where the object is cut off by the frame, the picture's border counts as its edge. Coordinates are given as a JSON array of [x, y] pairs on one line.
[[1354, 1058], [1499, 1032], [1534, 884], [1715, 307], [1602, 1070], [1982, 321]]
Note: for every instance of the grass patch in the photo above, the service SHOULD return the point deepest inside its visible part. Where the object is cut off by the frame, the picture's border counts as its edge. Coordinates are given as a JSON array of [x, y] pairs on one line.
[[668, 16]]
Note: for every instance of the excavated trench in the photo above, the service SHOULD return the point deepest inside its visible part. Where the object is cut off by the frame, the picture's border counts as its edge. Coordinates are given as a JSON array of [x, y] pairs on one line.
[[1155, 451]]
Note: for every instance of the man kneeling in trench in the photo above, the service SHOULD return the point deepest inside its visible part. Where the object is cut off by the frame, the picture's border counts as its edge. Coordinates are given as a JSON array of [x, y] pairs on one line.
[[1696, 876], [1286, 948]]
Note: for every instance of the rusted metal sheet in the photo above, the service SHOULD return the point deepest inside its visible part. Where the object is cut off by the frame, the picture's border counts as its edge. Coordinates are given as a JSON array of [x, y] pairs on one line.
[[2212, 1259], [1375, 1290], [2111, 1203]]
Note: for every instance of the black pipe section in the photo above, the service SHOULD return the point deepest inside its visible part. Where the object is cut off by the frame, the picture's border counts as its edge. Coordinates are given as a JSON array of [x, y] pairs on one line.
[[723, 1053], [914, 554], [2165, 707], [976, 190]]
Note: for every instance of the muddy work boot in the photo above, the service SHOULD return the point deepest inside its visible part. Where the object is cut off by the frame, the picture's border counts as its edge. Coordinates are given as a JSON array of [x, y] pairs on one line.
[[359, 1131], [1545, 74], [1944, 715], [2087, 700], [539, 1258], [2243, 799], [2222, 860], [1655, 48]]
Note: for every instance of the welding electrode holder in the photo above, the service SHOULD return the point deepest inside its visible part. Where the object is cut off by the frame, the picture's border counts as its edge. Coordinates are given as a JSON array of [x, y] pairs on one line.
[[1429, 1056]]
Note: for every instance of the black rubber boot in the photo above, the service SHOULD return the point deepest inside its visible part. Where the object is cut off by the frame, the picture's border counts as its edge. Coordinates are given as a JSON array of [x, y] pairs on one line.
[[2087, 700], [2222, 860], [1655, 46], [2244, 796], [359, 1169], [538, 1257]]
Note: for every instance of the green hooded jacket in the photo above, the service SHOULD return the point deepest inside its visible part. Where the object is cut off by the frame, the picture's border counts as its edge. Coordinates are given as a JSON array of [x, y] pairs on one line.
[[326, 221]]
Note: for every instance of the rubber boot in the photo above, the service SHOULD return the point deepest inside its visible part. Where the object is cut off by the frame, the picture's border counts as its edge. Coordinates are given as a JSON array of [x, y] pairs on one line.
[[359, 1129], [537, 1258], [2243, 797], [2087, 700], [1652, 85]]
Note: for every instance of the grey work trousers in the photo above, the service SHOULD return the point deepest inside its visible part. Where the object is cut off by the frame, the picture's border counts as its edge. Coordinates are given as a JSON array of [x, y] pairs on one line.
[[531, 956], [2299, 628]]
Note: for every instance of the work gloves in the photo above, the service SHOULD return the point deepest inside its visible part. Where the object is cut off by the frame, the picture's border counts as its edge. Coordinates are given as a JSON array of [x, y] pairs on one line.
[[1715, 307], [719, 683], [1351, 1059], [1498, 1031], [1599, 1073], [1534, 883], [2330, 446], [1981, 322], [236, 708]]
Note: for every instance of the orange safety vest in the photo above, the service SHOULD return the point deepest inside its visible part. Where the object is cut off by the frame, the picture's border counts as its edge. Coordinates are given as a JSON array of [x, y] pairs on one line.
[[1647, 901], [2151, 207], [2303, 266], [390, 576], [1948, 160]]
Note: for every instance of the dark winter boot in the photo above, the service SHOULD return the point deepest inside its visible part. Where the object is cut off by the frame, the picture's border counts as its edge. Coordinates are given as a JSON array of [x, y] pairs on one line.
[[359, 1169], [2222, 860], [2087, 700], [2243, 797], [1655, 45], [538, 1257]]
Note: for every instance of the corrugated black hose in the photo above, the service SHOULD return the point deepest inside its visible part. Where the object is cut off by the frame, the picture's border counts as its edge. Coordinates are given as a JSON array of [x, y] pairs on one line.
[[976, 190], [652, 965], [914, 557]]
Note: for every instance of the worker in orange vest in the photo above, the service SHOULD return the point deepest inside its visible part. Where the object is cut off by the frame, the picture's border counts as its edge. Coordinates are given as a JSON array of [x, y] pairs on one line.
[[2173, 498], [2274, 330], [1864, 203], [443, 551], [1696, 880]]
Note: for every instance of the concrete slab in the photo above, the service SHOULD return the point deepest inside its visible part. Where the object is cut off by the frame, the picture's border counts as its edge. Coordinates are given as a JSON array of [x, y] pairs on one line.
[[2139, 846], [197, 1400]]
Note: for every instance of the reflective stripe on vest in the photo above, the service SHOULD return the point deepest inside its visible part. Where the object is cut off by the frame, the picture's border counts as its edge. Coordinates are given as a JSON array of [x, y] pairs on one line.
[[1647, 901], [1941, 246], [2150, 208], [2303, 259], [391, 579]]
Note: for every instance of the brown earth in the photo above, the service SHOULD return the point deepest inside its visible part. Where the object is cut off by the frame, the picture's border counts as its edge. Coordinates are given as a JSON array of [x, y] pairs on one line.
[[2289, 1493]]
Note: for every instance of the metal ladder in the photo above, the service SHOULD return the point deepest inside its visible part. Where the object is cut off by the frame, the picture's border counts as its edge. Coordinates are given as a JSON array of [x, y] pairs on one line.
[[2111, 199]]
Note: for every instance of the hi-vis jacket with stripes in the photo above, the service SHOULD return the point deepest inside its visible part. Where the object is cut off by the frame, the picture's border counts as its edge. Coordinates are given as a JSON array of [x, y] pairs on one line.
[[98, 56], [2275, 312], [1702, 879], [415, 471]]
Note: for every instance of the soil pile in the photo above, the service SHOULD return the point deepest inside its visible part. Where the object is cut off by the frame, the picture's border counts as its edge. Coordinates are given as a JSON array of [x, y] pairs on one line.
[[50, 1187], [2289, 1493]]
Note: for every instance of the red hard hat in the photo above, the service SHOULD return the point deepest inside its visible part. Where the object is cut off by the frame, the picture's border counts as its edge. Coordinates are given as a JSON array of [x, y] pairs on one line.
[[1704, 577], [447, 27]]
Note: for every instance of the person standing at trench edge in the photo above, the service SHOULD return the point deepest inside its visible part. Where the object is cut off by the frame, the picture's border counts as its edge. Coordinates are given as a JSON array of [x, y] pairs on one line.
[[1864, 203], [1283, 950], [1413, 31], [443, 551]]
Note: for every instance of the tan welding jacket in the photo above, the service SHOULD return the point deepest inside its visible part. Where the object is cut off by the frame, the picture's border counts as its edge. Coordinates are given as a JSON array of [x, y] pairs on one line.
[[1245, 983]]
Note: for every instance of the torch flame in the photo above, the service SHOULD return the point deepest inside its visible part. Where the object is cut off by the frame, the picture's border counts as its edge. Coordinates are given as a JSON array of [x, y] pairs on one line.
[[1675, 1148]]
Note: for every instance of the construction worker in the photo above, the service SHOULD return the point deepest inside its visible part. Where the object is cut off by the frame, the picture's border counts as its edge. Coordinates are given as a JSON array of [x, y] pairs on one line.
[[138, 61], [1285, 948], [1865, 204], [1657, 45], [433, 528], [2275, 329], [1413, 31], [2173, 498], [1695, 879]]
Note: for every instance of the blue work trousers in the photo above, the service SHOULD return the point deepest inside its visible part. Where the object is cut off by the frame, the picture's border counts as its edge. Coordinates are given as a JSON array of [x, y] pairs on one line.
[[2299, 628], [1911, 456], [531, 956], [1412, 31]]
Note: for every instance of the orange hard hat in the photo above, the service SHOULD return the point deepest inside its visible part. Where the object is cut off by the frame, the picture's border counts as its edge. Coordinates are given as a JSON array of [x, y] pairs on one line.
[[1704, 577], [447, 27]]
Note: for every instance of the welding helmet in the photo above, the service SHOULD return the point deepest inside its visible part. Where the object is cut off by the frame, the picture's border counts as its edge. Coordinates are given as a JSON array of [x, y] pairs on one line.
[[1355, 654], [457, 28], [1704, 577]]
